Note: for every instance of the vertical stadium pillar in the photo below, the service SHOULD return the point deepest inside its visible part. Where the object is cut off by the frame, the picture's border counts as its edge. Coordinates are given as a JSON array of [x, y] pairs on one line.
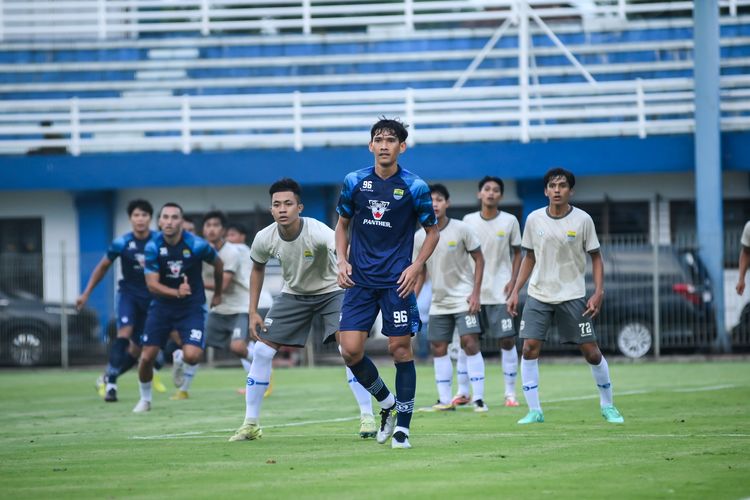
[[320, 201], [708, 196], [95, 214], [531, 193]]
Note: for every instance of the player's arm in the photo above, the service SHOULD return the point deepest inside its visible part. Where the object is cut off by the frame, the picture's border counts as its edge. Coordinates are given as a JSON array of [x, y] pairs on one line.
[[474, 298], [342, 250], [219, 283], [408, 279], [257, 275], [96, 276], [594, 304], [744, 264], [527, 265], [420, 281], [157, 288], [515, 266]]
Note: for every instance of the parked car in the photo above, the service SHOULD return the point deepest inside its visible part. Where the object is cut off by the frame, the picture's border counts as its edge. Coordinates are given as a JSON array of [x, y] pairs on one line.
[[30, 331]]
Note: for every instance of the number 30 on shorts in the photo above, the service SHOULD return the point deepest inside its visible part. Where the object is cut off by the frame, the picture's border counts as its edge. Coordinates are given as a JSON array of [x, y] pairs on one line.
[[400, 317]]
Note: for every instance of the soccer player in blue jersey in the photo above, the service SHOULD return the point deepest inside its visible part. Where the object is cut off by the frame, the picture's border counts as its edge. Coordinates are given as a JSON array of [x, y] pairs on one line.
[[173, 276], [133, 297], [381, 205]]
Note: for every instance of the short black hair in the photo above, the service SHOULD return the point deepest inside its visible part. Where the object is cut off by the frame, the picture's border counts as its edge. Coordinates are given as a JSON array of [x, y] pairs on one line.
[[187, 218], [560, 172], [171, 204], [140, 205], [492, 178], [215, 214], [286, 184], [441, 190], [391, 124], [237, 227]]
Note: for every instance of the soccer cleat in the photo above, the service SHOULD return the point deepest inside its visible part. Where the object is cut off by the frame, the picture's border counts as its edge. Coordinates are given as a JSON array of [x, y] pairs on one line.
[[400, 440], [158, 385], [460, 400], [179, 396], [611, 415], [480, 407], [533, 417], [111, 396], [511, 401], [387, 424], [142, 406], [367, 427], [443, 406], [101, 385], [247, 432], [178, 372]]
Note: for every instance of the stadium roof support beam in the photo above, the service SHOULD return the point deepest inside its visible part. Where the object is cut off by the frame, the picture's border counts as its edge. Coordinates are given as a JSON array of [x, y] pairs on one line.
[[708, 167]]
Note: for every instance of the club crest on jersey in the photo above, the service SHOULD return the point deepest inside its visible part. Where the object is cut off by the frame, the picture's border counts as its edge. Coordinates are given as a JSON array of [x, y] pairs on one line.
[[186, 253], [398, 193], [379, 208], [175, 268], [308, 255], [500, 235], [571, 235], [452, 245]]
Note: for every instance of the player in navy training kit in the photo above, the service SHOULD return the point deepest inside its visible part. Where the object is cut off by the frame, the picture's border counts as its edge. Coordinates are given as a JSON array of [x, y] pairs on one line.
[[382, 204], [133, 297], [173, 276]]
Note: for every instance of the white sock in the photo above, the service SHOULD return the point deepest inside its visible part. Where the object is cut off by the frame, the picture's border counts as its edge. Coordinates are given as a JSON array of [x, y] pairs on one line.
[[405, 430], [475, 367], [364, 398], [443, 377], [530, 381], [189, 375], [601, 377], [462, 374], [510, 370], [388, 402], [250, 347], [177, 356], [145, 390], [257, 380], [110, 386], [246, 363]]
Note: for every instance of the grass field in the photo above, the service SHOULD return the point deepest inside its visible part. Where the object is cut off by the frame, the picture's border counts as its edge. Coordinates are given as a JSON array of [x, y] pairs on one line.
[[686, 435]]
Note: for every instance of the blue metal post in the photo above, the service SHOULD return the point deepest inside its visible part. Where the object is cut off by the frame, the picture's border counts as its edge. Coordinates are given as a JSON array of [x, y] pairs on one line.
[[710, 226]]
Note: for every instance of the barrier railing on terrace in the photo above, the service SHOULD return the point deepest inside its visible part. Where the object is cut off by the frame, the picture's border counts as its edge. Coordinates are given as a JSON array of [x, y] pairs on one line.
[[107, 19], [297, 120]]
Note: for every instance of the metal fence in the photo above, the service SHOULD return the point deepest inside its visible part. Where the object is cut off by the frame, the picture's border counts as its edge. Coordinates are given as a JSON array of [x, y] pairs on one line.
[[658, 300]]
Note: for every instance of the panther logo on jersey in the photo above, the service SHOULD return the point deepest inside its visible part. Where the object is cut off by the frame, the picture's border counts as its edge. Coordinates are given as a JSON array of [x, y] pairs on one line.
[[379, 208], [175, 267]]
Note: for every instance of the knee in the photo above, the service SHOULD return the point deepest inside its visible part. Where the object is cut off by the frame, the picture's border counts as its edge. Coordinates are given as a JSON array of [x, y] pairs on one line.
[[593, 356], [238, 348], [439, 349], [400, 353], [507, 343], [148, 356], [470, 344], [191, 357], [351, 357], [530, 351]]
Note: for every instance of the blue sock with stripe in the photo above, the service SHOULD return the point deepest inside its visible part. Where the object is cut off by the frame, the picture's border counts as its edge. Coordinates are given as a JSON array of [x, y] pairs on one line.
[[367, 374], [118, 356], [406, 386]]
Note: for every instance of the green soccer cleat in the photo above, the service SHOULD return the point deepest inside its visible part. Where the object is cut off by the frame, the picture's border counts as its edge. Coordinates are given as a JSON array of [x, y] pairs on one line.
[[101, 385], [248, 432], [158, 384], [533, 417], [611, 415], [367, 428]]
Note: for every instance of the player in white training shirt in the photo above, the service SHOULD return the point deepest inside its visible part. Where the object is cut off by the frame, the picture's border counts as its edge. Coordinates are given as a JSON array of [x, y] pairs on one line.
[[500, 236], [744, 258], [456, 286], [556, 239]]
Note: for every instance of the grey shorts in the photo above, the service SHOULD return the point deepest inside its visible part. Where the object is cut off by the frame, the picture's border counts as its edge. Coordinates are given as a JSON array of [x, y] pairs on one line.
[[496, 322], [290, 317], [572, 326], [441, 326], [221, 329]]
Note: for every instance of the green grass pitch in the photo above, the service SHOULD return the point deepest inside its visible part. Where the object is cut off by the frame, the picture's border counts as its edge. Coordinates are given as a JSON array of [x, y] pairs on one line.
[[686, 435]]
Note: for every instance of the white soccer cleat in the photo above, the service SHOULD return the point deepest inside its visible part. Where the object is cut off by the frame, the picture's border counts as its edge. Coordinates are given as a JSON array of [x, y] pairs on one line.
[[480, 407], [400, 441], [142, 406], [387, 424]]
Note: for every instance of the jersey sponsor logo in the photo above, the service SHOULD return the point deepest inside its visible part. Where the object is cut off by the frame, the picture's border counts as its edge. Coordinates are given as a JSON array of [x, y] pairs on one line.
[[186, 253], [195, 334], [163, 251], [378, 209], [398, 193], [308, 255], [141, 259], [175, 268], [131, 245], [571, 235]]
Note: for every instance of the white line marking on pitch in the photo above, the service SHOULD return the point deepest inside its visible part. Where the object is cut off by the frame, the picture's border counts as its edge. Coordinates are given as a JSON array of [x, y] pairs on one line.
[[205, 435]]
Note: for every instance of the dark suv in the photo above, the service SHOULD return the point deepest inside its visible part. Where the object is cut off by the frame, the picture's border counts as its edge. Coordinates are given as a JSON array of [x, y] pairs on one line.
[[30, 332]]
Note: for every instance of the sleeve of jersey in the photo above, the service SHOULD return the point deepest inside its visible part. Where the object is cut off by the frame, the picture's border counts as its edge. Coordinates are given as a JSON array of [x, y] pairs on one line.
[[527, 241], [515, 234], [471, 240], [151, 257], [206, 251], [345, 206], [115, 248], [232, 260], [420, 193], [591, 243], [745, 240], [258, 252]]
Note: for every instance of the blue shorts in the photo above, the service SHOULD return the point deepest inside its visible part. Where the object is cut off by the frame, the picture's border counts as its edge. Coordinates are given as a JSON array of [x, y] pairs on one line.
[[361, 306], [131, 310], [188, 321]]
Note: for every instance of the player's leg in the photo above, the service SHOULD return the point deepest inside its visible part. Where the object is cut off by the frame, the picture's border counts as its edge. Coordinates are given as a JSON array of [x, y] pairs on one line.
[[509, 362], [575, 328], [239, 340], [498, 324], [462, 378], [190, 326], [469, 330], [535, 322], [155, 333], [440, 334]]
